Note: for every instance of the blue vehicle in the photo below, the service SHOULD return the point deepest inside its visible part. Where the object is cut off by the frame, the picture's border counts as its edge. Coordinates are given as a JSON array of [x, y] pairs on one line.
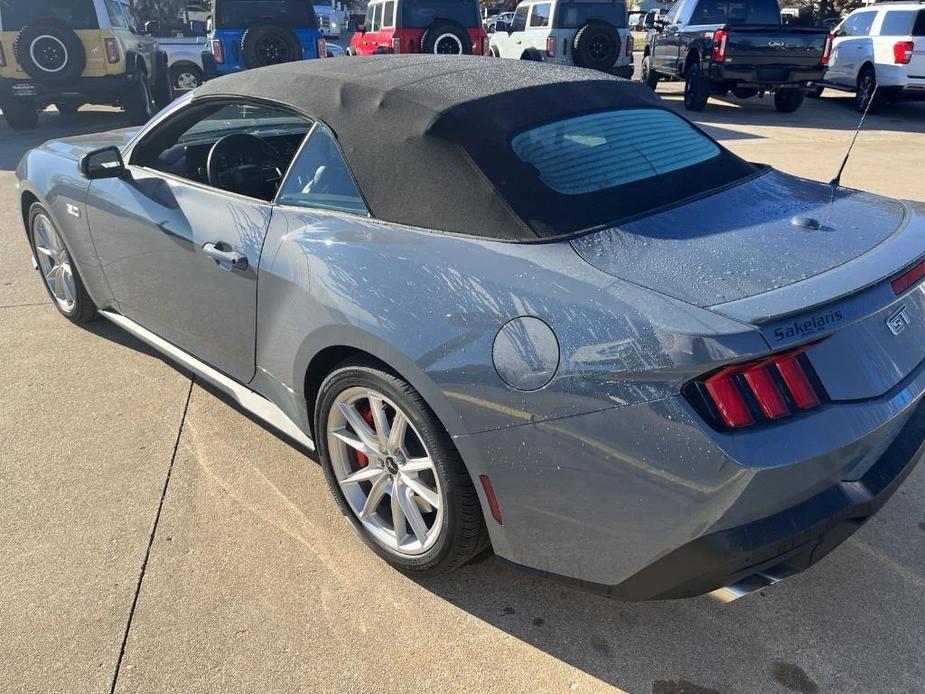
[[255, 33]]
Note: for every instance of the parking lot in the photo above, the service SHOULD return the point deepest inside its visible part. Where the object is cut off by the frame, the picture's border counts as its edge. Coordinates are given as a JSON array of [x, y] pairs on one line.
[[157, 539]]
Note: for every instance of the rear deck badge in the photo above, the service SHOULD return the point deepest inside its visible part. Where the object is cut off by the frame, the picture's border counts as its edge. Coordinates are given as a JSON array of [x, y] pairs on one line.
[[73, 210], [898, 321]]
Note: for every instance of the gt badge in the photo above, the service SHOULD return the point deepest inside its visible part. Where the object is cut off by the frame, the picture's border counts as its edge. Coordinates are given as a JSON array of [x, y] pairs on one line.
[[73, 210], [898, 321]]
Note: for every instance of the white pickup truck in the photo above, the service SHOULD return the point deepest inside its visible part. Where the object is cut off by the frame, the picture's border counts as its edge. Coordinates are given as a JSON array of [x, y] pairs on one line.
[[184, 55], [586, 33]]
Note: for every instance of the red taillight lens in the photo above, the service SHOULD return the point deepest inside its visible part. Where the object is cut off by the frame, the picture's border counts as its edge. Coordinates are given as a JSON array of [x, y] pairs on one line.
[[827, 50], [396, 45], [2, 57], [218, 51], [322, 47], [765, 390], [719, 46], [551, 46], [112, 51], [908, 278], [629, 45], [902, 52]]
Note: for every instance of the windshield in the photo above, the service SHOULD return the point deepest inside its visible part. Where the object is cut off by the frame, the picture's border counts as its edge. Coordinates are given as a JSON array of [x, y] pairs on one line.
[[603, 150], [571, 15], [77, 14], [239, 14], [422, 13], [737, 12]]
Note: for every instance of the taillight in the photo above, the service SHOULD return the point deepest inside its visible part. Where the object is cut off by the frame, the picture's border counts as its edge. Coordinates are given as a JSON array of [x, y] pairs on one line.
[[551, 46], [827, 50], [396, 45], [768, 389], [629, 45], [218, 51], [321, 47], [908, 278], [2, 57], [902, 52], [112, 51], [719, 46]]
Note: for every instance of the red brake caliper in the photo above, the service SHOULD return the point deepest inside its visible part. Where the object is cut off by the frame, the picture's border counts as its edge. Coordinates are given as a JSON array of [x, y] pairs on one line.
[[367, 415]]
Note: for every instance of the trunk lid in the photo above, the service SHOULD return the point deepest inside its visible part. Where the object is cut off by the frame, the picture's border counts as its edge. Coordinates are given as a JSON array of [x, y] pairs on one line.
[[739, 253], [774, 45]]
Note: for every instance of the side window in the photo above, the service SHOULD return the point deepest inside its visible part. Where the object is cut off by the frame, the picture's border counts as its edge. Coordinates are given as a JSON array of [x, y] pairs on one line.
[[673, 13], [388, 15], [368, 24], [900, 22], [116, 17], [377, 18], [519, 23], [540, 15], [859, 24], [319, 178]]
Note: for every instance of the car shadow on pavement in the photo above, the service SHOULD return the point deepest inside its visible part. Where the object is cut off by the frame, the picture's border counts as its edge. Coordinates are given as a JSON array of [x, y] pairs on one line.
[[15, 143]]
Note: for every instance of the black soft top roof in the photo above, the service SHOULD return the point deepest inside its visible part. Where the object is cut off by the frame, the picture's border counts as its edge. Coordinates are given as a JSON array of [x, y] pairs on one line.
[[428, 139]]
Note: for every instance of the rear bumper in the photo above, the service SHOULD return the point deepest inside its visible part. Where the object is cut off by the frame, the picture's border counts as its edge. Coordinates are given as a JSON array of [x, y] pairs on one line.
[[766, 76], [91, 89], [786, 542]]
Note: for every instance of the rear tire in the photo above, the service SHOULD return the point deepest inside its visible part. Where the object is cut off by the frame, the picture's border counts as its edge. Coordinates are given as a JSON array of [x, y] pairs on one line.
[[596, 45], [50, 51], [649, 76], [868, 92], [269, 44], [788, 100], [185, 77], [696, 89], [454, 528], [445, 38], [59, 274], [20, 114], [137, 101]]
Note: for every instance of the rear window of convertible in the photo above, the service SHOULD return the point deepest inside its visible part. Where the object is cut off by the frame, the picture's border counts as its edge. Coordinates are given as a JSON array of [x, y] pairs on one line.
[[599, 151]]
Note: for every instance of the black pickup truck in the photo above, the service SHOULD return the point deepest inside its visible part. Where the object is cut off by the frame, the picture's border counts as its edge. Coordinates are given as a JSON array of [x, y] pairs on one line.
[[718, 46]]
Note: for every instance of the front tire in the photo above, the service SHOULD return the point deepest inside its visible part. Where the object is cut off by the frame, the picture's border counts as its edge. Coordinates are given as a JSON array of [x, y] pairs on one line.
[[386, 457], [696, 89], [185, 77], [21, 114], [788, 100], [59, 274], [649, 76]]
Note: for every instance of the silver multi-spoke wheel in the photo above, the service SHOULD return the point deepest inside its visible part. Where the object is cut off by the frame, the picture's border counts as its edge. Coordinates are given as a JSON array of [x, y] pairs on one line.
[[54, 263], [385, 471]]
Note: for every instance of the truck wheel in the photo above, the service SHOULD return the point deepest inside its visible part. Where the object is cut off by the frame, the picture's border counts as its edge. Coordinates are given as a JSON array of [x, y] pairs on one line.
[[868, 97], [445, 38], [788, 100], [596, 45], [269, 44], [50, 51], [137, 102], [649, 76], [20, 114], [696, 89], [185, 77]]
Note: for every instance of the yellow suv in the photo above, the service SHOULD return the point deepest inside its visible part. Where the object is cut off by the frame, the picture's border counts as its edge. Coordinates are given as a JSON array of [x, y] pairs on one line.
[[74, 52]]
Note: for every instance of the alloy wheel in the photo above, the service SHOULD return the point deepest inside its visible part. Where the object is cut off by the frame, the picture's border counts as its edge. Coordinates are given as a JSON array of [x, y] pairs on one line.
[[599, 47], [55, 263], [186, 80], [448, 44], [385, 471]]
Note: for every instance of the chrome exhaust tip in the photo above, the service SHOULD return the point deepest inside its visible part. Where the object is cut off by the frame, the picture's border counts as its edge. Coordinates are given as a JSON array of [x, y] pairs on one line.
[[752, 584]]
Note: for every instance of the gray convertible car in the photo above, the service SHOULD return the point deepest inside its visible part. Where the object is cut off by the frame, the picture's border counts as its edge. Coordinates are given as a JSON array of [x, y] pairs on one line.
[[641, 365]]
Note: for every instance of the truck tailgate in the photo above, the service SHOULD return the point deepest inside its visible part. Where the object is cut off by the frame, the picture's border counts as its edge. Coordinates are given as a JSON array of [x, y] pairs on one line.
[[774, 45]]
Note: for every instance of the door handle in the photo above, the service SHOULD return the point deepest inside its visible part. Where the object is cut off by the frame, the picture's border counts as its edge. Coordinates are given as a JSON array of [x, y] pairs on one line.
[[236, 260]]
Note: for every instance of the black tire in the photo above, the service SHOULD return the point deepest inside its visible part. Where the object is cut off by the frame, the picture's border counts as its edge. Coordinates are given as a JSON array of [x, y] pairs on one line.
[[350, 52], [744, 92], [162, 89], [68, 108], [84, 309], [137, 101], [49, 51], [696, 89], [596, 45], [867, 91], [20, 114], [269, 44], [788, 100], [815, 92], [463, 534], [649, 76], [185, 76], [446, 38]]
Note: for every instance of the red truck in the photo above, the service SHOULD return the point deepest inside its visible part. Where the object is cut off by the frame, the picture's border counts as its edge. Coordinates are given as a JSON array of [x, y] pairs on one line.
[[421, 26]]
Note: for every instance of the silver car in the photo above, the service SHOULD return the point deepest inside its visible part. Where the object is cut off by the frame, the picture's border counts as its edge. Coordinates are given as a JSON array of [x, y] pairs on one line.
[[643, 366]]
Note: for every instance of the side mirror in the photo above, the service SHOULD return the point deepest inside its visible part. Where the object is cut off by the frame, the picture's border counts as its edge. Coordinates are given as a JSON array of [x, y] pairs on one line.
[[209, 25], [103, 163], [361, 28], [152, 27], [197, 28]]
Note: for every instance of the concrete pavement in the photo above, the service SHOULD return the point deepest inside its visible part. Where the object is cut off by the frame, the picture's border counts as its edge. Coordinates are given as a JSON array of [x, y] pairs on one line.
[[251, 581]]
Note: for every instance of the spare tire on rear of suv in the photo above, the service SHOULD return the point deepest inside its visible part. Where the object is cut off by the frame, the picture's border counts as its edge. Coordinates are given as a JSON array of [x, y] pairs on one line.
[[49, 51], [446, 38], [269, 44], [596, 45]]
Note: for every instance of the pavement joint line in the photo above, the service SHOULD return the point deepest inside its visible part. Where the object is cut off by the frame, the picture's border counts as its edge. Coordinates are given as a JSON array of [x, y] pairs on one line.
[[157, 518], [40, 303]]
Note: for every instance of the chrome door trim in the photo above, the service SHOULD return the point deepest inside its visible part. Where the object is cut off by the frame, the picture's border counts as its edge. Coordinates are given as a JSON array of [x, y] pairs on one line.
[[248, 399]]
